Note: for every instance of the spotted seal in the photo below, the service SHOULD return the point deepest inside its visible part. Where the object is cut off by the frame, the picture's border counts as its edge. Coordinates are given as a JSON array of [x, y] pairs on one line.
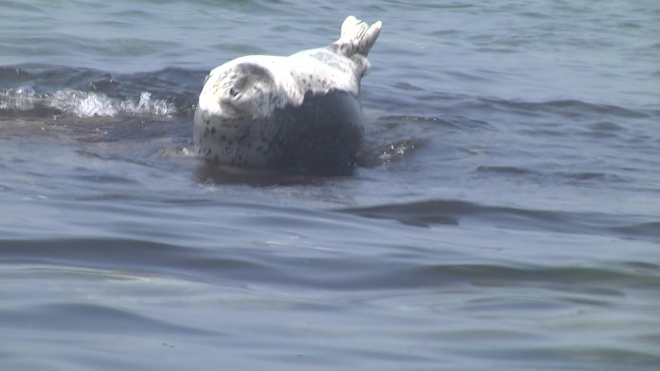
[[301, 111]]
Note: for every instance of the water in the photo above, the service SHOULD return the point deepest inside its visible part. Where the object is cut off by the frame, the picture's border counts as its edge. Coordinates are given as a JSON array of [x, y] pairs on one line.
[[505, 213]]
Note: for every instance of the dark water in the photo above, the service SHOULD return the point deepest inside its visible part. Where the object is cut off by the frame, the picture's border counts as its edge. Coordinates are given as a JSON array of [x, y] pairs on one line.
[[505, 213]]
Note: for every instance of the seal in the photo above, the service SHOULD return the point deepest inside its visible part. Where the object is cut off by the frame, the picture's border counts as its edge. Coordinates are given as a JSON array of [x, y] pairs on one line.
[[302, 111]]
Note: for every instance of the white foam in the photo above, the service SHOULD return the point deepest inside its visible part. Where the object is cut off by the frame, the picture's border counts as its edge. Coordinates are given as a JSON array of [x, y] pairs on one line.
[[84, 104], [17, 99]]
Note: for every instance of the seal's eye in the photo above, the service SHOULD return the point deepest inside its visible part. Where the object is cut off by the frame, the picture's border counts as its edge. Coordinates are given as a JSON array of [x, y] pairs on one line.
[[233, 92]]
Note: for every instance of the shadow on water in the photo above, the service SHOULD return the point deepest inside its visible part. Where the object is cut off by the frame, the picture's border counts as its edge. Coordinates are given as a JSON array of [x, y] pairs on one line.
[[210, 172], [451, 212]]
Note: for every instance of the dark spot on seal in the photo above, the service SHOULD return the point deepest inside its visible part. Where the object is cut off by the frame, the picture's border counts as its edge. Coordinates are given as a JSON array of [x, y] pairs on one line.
[[213, 130]]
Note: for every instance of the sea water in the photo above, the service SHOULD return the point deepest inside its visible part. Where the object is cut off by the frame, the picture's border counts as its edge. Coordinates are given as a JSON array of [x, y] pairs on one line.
[[505, 213]]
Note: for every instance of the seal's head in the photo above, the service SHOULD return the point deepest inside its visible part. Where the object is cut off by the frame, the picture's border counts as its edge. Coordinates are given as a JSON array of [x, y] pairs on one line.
[[241, 90], [238, 115]]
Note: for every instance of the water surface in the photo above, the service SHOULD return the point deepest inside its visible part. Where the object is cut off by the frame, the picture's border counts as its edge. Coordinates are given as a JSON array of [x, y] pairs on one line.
[[505, 213]]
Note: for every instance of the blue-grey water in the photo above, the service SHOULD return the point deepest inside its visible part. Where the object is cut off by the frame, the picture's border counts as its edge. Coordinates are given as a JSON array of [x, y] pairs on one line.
[[505, 214]]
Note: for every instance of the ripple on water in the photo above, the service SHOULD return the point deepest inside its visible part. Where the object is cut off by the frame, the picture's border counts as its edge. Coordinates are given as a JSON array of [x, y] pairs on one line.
[[454, 212]]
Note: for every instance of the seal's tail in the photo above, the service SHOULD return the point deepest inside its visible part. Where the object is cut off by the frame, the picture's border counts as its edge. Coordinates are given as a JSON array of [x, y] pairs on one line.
[[357, 37]]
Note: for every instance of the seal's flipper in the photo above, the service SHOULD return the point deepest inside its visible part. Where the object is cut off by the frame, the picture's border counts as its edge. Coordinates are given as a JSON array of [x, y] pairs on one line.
[[357, 37]]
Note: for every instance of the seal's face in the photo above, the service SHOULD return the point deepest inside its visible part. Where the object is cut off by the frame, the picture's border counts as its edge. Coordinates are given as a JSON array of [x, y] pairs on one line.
[[241, 91]]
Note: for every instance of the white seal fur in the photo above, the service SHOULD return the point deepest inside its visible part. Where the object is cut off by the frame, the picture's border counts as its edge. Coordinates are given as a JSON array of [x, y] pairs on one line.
[[300, 111]]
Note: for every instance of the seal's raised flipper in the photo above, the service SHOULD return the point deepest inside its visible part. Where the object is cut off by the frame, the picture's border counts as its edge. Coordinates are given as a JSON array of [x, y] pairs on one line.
[[357, 37]]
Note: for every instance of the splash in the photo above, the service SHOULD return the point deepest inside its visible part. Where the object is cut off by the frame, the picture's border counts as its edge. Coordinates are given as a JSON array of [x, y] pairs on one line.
[[84, 104], [396, 151], [17, 100]]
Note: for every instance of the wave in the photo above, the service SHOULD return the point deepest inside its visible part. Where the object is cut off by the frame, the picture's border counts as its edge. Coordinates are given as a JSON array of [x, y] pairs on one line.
[[127, 257], [81, 103], [567, 108], [88, 93]]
